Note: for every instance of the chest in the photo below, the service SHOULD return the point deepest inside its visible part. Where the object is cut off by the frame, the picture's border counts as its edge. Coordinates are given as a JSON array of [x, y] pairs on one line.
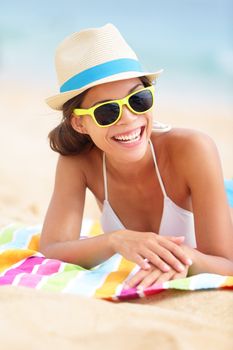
[[139, 204], [141, 209]]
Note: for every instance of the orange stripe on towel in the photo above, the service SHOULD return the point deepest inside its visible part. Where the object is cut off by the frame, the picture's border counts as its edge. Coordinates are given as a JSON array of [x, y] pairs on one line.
[[228, 282], [34, 243], [12, 256], [115, 278]]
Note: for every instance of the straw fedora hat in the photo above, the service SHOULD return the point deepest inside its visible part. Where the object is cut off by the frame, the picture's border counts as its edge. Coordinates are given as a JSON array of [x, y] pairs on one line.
[[91, 57]]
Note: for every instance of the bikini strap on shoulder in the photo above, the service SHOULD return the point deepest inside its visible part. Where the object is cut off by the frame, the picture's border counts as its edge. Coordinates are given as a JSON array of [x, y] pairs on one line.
[[105, 178], [157, 169]]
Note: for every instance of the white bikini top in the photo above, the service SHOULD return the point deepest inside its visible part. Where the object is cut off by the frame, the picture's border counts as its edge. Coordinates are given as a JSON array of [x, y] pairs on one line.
[[175, 221]]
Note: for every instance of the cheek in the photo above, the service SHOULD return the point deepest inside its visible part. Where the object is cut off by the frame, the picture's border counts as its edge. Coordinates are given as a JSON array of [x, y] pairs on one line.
[[149, 119], [149, 124], [97, 134], [90, 126]]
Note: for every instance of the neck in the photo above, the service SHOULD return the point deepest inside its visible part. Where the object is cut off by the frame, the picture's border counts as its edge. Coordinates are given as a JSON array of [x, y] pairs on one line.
[[130, 171]]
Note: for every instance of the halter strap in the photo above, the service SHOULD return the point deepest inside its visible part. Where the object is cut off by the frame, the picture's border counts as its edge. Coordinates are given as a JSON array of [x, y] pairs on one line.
[[105, 178], [157, 170]]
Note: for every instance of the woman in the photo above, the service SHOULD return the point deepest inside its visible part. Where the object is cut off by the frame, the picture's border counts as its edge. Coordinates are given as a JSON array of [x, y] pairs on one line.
[[160, 190]]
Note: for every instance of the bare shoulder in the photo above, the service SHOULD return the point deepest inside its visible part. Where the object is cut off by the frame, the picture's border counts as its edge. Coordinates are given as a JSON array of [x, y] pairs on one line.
[[182, 145], [177, 138], [192, 150], [78, 166], [191, 154]]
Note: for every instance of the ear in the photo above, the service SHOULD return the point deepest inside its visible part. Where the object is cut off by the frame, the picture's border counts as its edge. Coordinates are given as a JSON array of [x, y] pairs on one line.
[[77, 124]]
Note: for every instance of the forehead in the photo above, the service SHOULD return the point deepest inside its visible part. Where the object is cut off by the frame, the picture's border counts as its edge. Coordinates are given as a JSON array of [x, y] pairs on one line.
[[112, 90]]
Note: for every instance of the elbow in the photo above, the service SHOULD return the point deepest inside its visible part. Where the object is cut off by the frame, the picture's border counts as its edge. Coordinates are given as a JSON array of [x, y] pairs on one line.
[[228, 267], [46, 250], [229, 259]]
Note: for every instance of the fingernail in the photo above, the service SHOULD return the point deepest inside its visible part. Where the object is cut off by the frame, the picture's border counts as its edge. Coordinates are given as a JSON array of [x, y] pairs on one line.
[[147, 266], [189, 261], [140, 288], [126, 286], [180, 267], [166, 268]]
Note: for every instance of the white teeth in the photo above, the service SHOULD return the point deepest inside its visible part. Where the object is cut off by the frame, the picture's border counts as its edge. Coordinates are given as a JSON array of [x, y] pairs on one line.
[[134, 136]]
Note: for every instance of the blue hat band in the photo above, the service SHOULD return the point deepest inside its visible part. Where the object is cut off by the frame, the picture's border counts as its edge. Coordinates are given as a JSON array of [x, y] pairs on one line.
[[101, 71]]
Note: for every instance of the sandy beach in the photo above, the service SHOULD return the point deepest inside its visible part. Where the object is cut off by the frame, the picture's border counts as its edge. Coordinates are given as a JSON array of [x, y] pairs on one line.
[[166, 321]]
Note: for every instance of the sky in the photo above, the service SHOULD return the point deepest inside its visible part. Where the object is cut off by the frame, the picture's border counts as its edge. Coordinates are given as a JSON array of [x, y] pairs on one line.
[[191, 40]]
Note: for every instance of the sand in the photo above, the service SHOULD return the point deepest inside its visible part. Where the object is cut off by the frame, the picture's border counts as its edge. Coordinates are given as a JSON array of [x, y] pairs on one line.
[[32, 319]]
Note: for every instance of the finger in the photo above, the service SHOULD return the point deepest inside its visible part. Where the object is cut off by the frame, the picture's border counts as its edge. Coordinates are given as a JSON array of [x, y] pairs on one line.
[[142, 262], [133, 281], [155, 259], [177, 251], [165, 277], [170, 259], [149, 279], [179, 275], [177, 240]]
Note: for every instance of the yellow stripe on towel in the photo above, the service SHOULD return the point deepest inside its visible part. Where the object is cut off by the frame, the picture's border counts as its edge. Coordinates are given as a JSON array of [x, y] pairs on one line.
[[115, 278], [96, 229]]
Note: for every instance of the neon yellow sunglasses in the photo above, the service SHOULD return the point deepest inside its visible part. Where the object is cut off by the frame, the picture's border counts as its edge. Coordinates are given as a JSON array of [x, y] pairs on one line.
[[108, 113]]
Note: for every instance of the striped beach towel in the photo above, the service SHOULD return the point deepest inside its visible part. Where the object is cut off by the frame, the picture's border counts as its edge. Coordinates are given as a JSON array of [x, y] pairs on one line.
[[22, 265]]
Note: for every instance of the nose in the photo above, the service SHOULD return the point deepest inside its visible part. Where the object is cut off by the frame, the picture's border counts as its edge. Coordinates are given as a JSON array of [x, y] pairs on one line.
[[127, 116]]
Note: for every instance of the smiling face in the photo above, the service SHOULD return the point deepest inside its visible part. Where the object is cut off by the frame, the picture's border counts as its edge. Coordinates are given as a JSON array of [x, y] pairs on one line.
[[127, 140]]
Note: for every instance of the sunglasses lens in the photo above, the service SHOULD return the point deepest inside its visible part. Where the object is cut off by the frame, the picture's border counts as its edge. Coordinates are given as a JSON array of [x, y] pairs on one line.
[[107, 114], [141, 101]]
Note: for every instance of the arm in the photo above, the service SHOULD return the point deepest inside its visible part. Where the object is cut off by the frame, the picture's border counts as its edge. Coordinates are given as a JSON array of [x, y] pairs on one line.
[[86, 253], [213, 224], [61, 229], [210, 264]]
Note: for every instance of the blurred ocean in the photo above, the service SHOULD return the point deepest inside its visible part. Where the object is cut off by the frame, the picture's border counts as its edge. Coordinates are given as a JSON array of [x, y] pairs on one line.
[[191, 40]]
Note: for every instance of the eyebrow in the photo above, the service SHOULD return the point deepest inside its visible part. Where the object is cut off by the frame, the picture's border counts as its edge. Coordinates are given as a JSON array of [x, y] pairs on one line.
[[131, 90]]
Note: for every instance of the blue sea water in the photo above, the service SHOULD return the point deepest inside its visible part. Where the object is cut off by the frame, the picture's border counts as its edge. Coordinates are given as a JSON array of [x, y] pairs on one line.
[[191, 40], [229, 191]]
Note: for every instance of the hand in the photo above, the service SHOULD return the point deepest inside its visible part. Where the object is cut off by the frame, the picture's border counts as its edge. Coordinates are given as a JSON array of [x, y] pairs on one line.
[[143, 279], [162, 251]]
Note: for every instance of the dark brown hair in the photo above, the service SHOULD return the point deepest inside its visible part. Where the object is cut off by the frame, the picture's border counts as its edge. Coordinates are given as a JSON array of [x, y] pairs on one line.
[[67, 141]]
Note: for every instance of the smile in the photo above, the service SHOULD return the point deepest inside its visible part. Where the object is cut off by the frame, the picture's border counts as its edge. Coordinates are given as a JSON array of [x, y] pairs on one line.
[[133, 136]]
